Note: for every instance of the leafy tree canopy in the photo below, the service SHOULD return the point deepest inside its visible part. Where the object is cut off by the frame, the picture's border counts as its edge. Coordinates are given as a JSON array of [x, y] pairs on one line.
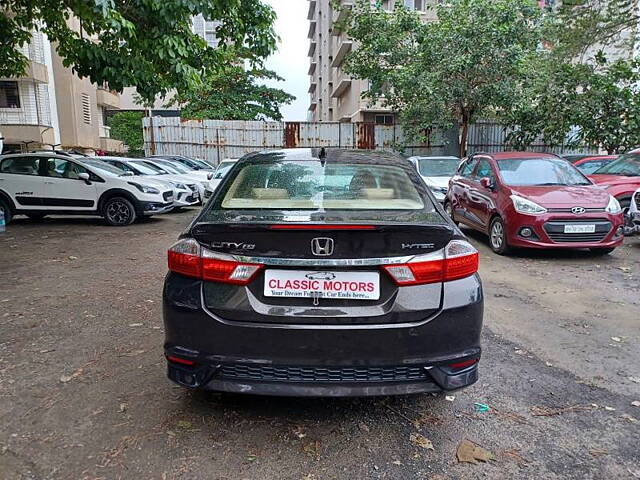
[[234, 93], [147, 44], [470, 63], [127, 127]]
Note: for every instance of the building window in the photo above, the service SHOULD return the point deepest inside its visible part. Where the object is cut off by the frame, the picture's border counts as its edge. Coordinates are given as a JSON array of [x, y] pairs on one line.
[[384, 119], [415, 4], [9, 95], [86, 108]]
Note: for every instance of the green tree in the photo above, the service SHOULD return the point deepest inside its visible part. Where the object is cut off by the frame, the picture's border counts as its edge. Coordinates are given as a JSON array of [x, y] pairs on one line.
[[234, 93], [468, 64], [127, 127], [147, 44]]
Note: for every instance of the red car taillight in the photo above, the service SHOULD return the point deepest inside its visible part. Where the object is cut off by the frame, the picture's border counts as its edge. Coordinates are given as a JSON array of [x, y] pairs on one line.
[[188, 258], [458, 260]]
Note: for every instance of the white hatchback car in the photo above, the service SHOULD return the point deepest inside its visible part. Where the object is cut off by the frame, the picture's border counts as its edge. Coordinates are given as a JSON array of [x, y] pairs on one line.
[[222, 170], [40, 184], [436, 173]]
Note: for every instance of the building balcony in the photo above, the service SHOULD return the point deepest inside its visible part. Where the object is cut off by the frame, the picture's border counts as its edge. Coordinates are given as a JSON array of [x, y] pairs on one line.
[[343, 85], [312, 10], [312, 86], [344, 48], [35, 71], [313, 105], [312, 29], [312, 67], [107, 98], [111, 145], [312, 48], [27, 134], [341, 15]]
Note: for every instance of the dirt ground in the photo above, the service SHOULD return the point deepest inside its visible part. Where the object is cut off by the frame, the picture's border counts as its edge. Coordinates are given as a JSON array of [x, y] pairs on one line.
[[83, 392]]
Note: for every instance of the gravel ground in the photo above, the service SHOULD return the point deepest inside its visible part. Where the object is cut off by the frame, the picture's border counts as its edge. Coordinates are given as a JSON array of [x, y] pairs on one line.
[[83, 393]]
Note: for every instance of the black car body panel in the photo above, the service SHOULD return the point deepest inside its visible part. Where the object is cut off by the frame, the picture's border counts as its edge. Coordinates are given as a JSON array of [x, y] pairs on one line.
[[235, 338]]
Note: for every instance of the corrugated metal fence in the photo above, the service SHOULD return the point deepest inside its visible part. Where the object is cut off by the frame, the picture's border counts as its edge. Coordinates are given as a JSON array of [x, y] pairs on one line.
[[213, 140]]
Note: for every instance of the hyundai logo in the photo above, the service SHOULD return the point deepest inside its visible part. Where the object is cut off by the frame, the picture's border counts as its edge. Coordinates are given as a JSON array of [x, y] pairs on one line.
[[322, 246], [578, 210]]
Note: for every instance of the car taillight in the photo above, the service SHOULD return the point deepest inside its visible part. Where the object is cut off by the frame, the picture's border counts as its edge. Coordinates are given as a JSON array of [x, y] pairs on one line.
[[457, 260], [188, 258]]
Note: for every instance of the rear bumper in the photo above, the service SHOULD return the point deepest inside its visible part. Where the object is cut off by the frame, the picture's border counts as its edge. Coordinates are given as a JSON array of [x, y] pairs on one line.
[[323, 360]]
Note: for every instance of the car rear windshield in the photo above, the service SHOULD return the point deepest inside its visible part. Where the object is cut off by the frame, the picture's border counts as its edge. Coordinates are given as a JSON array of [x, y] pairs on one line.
[[438, 167], [627, 165], [306, 185], [540, 171]]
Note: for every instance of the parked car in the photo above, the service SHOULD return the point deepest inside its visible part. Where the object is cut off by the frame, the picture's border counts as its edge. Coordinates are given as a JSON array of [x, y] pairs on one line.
[[534, 200], [193, 163], [186, 192], [632, 216], [41, 184], [589, 165], [200, 177], [621, 178], [191, 180], [223, 168], [328, 273], [576, 157], [436, 173]]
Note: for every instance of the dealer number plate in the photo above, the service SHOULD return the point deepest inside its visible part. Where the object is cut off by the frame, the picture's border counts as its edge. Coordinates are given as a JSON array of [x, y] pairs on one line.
[[579, 229], [309, 284]]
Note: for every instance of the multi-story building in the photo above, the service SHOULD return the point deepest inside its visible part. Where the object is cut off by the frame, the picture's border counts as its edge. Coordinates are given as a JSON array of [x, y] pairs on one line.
[[334, 95], [51, 107]]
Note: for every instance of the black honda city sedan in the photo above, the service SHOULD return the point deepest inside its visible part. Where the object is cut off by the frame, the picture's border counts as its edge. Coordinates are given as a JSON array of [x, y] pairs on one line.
[[315, 272]]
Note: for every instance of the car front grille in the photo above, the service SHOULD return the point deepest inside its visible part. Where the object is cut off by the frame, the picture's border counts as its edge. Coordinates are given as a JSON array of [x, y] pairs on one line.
[[555, 230], [167, 195], [323, 374]]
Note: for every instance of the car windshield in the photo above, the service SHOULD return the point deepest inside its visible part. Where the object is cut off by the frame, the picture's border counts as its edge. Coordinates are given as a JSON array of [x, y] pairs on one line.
[[627, 165], [175, 166], [302, 185], [147, 167], [540, 172], [104, 167], [202, 165], [222, 169], [437, 167]]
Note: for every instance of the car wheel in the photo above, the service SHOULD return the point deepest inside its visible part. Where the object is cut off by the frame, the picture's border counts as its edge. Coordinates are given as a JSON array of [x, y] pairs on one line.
[[498, 236], [602, 251], [36, 217], [7, 212], [449, 209], [119, 212]]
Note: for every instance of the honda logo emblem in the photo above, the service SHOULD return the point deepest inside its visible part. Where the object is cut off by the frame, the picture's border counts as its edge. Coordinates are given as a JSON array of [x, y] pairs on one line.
[[578, 210], [322, 246]]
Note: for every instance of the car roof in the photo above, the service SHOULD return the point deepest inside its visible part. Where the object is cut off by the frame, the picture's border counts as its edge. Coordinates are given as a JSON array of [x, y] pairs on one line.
[[597, 157], [39, 154], [330, 155], [434, 157], [518, 155]]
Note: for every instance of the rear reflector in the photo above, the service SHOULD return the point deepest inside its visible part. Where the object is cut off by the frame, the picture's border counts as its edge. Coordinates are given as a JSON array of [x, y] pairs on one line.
[[457, 260], [188, 258], [322, 227], [463, 364], [182, 361]]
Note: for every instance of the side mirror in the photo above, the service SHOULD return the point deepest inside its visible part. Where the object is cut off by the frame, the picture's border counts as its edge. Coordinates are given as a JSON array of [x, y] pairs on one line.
[[486, 183], [84, 176], [209, 176]]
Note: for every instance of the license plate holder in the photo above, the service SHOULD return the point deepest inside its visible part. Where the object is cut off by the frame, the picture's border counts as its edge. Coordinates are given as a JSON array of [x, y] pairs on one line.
[[322, 284]]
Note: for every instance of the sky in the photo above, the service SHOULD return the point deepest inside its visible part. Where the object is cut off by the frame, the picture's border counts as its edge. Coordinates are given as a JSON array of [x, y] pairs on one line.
[[290, 61]]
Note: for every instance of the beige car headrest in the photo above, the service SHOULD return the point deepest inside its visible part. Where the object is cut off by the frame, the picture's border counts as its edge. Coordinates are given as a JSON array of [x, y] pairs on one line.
[[270, 193], [378, 193]]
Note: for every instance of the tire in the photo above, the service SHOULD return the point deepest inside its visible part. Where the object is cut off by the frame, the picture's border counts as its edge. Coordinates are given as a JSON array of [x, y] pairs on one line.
[[498, 237], [36, 217], [7, 211], [449, 209], [119, 212], [602, 251]]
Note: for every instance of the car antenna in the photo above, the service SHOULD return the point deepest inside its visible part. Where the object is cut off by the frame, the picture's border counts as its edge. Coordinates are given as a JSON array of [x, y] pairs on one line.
[[322, 156]]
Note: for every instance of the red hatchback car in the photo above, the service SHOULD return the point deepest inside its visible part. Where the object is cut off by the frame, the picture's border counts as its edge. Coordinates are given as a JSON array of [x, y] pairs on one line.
[[536, 200]]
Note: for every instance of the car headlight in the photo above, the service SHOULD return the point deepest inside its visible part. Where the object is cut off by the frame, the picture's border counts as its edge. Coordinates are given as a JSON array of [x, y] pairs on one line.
[[145, 188], [613, 206], [522, 205]]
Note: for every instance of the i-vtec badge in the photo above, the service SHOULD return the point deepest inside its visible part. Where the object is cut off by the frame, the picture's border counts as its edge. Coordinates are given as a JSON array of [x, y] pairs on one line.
[[233, 245], [416, 246]]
